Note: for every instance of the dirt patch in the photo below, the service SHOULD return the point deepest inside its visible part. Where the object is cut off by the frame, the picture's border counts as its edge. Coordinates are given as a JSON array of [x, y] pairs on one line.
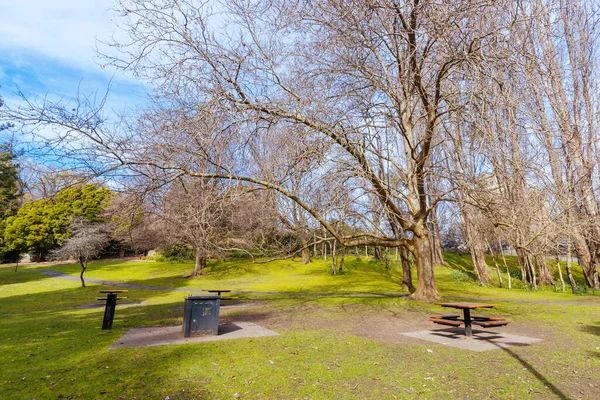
[[382, 324]]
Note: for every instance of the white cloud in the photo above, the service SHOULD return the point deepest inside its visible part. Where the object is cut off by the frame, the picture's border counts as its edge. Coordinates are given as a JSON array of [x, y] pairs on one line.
[[47, 49], [65, 30]]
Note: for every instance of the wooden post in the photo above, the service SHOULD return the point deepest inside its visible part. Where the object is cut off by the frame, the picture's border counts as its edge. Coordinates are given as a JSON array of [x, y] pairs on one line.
[[109, 311]]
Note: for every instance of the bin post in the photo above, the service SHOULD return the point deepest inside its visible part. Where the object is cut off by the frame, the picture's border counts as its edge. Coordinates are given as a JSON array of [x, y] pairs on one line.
[[109, 310]]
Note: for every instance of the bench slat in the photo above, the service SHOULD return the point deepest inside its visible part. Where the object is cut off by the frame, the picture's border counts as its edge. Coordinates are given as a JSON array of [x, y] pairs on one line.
[[490, 323], [480, 318], [446, 316], [446, 322], [104, 298]]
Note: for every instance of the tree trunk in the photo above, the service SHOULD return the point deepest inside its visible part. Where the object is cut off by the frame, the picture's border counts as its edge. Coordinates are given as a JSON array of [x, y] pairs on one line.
[[545, 277], [479, 264], [569, 271], [332, 247], [476, 247], [406, 273], [531, 271], [199, 264], [83, 262], [306, 255], [523, 263], [436, 243], [505, 265], [590, 271], [377, 253], [495, 262], [305, 251], [387, 258], [426, 289], [560, 275]]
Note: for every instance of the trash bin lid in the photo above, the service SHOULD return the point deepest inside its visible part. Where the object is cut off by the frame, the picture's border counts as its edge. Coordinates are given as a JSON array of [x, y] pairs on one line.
[[203, 297]]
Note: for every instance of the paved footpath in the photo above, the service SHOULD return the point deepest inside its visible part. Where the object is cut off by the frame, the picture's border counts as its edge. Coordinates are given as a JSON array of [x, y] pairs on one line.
[[57, 274]]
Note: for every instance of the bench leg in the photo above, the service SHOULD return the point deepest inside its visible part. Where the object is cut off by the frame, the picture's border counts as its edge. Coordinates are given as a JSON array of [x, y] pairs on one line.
[[467, 315], [109, 311]]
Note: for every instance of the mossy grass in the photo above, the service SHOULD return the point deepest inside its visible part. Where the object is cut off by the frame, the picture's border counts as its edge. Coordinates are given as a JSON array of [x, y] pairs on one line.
[[51, 348]]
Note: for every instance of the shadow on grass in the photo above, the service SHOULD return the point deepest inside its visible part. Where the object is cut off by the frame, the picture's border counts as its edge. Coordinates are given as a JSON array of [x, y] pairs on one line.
[[591, 329], [460, 263], [538, 375], [9, 276]]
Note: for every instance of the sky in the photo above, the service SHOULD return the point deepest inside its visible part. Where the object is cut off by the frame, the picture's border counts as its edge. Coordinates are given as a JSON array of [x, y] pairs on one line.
[[47, 48]]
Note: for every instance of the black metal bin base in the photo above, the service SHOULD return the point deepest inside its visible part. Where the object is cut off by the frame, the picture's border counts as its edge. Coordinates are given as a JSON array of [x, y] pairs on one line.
[[201, 315]]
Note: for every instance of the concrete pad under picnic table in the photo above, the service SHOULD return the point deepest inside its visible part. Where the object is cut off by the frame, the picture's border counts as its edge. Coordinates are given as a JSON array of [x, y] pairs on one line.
[[163, 335], [480, 341]]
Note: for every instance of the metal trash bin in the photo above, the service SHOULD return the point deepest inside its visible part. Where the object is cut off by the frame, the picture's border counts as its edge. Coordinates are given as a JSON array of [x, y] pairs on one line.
[[201, 315]]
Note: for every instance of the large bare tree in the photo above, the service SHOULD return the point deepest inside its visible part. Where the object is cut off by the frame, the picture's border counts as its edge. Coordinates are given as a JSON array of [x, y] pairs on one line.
[[352, 108], [369, 79]]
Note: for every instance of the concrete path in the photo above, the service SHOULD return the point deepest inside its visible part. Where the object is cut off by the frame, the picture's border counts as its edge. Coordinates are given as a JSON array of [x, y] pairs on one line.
[[57, 274], [480, 341], [163, 335]]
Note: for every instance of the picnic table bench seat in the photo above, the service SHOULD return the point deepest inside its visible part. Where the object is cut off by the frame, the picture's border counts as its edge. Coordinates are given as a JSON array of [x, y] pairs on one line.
[[455, 320], [450, 322], [446, 316], [105, 298], [487, 324]]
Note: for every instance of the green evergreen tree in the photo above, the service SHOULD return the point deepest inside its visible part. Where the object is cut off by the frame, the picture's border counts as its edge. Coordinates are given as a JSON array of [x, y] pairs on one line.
[[42, 225], [9, 193]]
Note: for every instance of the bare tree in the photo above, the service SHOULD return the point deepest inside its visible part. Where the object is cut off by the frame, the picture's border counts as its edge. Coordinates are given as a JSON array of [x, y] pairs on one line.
[[562, 38], [133, 223], [87, 241], [195, 213], [368, 92]]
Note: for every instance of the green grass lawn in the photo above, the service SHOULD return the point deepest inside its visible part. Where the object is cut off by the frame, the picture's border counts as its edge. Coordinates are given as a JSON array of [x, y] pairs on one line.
[[330, 346]]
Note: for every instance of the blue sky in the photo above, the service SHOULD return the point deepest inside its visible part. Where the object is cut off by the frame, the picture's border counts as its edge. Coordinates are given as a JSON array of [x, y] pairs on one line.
[[47, 49]]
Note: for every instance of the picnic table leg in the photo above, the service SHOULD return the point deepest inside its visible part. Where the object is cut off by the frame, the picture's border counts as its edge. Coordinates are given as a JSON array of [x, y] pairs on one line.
[[467, 315], [109, 311]]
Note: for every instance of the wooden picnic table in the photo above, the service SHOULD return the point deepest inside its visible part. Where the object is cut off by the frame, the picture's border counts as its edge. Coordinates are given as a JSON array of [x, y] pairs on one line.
[[219, 291], [467, 307]]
